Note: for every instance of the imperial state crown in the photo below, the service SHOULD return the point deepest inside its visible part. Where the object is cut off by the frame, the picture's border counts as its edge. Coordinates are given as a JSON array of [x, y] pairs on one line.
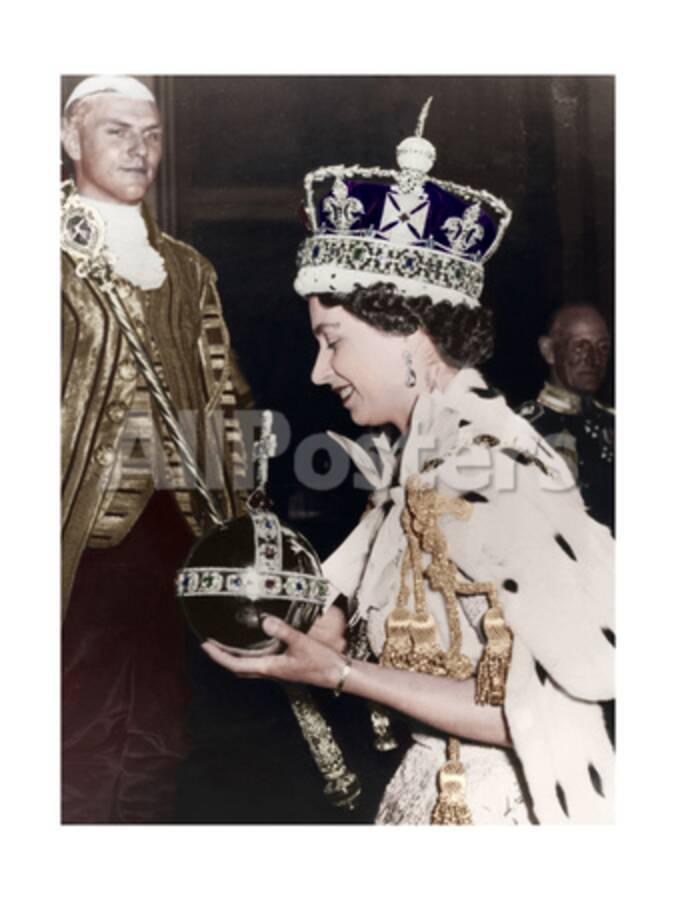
[[424, 235]]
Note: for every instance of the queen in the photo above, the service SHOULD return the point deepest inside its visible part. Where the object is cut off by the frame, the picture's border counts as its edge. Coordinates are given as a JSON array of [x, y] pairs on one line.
[[482, 587]]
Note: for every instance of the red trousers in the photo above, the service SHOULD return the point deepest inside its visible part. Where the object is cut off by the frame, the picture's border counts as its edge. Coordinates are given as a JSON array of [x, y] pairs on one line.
[[124, 685]]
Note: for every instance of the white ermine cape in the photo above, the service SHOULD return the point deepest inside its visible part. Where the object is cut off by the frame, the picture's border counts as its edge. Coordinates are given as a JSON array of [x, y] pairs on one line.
[[552, 566]]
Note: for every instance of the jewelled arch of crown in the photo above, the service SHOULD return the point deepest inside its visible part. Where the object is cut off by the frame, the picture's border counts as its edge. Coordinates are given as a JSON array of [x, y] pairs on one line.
[[458, 265]]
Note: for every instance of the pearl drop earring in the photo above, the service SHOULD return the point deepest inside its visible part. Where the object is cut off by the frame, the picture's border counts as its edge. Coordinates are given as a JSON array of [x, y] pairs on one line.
[[411, 377]]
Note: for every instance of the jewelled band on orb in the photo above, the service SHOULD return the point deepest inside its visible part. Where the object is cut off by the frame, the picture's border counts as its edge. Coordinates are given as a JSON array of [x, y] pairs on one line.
[[207, 581]]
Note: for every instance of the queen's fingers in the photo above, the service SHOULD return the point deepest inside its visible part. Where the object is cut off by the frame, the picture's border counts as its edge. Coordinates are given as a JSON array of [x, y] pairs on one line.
[[280, 629], [251, 666]]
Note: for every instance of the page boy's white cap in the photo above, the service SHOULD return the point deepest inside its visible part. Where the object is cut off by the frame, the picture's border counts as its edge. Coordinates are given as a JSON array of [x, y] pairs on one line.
[[124, 85]]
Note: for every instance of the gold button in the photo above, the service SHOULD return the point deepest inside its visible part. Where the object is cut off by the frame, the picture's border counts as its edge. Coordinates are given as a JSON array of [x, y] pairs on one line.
[[116, 412], [139, 325], [104, 455], [127, 370]]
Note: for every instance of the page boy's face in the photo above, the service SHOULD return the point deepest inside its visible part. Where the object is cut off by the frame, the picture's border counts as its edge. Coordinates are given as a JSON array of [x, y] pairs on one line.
[[116, 145]]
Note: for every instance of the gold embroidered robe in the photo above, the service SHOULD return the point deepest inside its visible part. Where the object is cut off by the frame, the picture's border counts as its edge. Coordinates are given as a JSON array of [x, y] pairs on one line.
[[99, 381]]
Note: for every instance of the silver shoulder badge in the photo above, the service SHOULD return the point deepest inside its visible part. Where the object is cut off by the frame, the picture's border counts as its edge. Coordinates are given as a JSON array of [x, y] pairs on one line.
[[82, 228]]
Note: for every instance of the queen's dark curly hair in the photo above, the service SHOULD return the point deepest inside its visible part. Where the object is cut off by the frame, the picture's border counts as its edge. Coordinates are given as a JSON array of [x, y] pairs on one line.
[[462, 336]]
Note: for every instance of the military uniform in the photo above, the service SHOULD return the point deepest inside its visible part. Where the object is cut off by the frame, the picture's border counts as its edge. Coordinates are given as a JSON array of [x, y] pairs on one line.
[[582, 430]]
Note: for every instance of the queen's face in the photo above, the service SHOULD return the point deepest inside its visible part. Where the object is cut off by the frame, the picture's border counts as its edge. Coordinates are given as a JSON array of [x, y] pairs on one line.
[[365, 367]]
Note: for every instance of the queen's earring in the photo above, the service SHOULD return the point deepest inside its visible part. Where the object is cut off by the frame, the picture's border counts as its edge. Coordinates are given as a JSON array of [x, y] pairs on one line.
[[411, 377]]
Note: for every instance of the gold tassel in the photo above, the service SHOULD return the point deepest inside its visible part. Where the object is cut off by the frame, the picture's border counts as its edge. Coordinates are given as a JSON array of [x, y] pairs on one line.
[[491, 676], [382, 729], [426, 654], [451, 807], [398, 644]]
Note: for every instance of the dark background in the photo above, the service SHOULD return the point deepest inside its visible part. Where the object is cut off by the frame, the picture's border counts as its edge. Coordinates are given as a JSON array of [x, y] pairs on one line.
[[237, 149]]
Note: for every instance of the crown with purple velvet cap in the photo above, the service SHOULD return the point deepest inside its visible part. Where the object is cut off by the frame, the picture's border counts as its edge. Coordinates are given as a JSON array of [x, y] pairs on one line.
[[425, 236]]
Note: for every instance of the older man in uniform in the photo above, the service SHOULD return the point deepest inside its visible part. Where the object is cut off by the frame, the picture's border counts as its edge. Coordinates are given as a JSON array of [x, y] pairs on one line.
[[122, 538], [576, 349]]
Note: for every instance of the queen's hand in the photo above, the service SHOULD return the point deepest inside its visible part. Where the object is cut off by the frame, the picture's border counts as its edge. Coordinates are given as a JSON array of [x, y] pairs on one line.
[[312, 658], [329, 628], [444, 703]]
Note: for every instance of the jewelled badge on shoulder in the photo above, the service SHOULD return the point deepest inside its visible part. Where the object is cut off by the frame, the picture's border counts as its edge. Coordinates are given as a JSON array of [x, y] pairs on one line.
[[250, 565], [82, 229]]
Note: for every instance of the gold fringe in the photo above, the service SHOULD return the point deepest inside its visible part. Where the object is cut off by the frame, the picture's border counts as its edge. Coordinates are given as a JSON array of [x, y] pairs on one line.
[[491, 677], [398, 643], [451, 807], [426, 654]]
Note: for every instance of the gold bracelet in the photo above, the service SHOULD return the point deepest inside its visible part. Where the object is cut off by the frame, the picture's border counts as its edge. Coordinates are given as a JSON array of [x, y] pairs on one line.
[[338, 689]]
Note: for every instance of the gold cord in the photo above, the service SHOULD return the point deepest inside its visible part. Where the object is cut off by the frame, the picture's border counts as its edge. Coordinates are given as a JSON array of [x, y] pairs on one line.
[[412, 640]]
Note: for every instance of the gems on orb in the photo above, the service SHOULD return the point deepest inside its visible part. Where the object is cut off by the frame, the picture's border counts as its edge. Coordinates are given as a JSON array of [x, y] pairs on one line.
[[234, 583], [252, 584], [211, 582], [273, 584], [295, 587]]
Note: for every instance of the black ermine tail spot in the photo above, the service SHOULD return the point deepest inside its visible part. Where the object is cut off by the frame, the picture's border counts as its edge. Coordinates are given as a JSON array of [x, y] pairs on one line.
[[561, 797], [474, 497], [486, 393], [541, 672], [595, 779], [518, 457], [565, 546]]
